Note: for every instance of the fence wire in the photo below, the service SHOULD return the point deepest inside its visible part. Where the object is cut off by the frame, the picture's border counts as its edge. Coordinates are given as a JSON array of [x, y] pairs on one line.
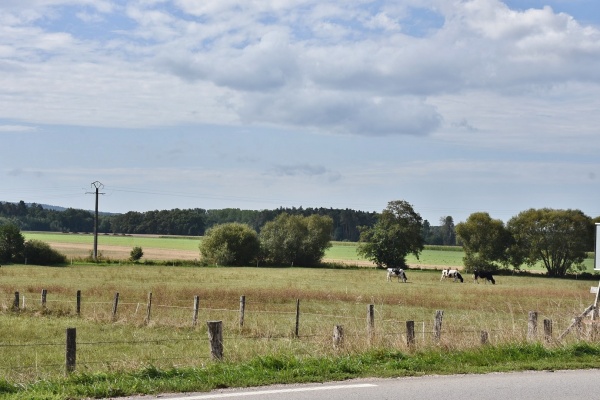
[[267, 330]]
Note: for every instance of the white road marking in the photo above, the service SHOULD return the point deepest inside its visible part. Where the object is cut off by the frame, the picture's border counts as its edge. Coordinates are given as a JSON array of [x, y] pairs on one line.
[[274, 391]]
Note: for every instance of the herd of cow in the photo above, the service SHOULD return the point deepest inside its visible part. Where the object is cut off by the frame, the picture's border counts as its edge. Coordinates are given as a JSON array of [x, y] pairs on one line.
[[446, 273]]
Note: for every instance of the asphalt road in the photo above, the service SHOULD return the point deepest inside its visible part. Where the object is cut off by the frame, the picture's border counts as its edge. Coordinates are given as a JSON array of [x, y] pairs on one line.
[[546, 385]]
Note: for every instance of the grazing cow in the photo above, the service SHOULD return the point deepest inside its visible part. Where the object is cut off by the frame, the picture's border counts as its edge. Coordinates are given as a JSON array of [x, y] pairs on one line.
[[396, 272], [451, 273], [485, 275]]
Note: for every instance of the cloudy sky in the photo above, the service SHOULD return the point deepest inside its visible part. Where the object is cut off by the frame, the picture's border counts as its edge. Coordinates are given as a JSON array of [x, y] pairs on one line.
[[456, 106]]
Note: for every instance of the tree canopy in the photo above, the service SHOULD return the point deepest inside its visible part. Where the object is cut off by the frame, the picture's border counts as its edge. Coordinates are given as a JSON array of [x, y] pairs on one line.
[[557, 238], [396, 234], [485, 242], [12, 243], [189, 222], [296, 240], [230, 244]]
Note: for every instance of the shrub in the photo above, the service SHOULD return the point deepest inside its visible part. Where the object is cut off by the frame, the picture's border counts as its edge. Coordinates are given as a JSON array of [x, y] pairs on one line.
[[230, 244], [11, 243], [136, 254], [296, 240], [40, 253]]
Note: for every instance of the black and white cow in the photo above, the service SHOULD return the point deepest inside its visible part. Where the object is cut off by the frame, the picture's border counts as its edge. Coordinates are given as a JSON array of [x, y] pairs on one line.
[[398, 272], [451, 273], [485, 275]]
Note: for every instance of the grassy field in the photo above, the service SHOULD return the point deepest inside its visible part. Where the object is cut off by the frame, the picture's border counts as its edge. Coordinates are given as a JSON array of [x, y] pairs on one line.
[[129, 354], [186, 248], [328, 297]]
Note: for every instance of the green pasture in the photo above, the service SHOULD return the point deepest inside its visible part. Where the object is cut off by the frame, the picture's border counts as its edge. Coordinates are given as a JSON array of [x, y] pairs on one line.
[[159, 242], [436, 256]]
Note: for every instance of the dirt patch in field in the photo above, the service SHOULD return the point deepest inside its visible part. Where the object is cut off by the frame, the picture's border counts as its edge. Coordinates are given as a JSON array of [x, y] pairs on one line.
[[122, 252], [80, 250]]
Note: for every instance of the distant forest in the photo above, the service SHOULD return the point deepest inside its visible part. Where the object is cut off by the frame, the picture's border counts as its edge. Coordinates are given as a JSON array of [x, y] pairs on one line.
[[189, 222]]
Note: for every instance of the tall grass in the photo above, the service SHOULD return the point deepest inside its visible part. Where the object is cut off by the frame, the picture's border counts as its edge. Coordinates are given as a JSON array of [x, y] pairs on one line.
[[32, 340]]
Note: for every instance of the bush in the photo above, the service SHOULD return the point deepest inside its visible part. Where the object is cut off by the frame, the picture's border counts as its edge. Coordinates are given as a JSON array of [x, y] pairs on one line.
[[136, 254], [11, 243], [296, 240], [230, 244], [40, 253]]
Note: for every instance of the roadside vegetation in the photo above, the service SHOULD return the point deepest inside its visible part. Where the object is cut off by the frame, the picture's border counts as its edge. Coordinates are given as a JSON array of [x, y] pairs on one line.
[[288, 369]]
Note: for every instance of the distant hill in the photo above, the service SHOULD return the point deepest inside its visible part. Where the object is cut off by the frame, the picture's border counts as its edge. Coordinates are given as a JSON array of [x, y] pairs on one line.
[[48, 207], [59, 208]]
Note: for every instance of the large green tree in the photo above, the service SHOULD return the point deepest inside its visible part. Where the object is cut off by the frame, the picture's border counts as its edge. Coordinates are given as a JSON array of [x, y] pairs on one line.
[[296, 240], [557, 238], [485, 242], [396, 234], [230, 244], [12, 243]]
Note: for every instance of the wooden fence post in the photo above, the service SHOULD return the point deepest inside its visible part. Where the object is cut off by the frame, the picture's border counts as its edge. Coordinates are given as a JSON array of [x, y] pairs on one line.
[[410, 333], [578, 322], [44, 294], [532, 325], [115, 305], [71, 350], [484, 337], [439, 314], [16, 305], [548, 330], [338, 336], [215, 337], [149, 308], [196, 307], [371, 321], [242, 310], [78, 302], [592, 330], [297, 330]]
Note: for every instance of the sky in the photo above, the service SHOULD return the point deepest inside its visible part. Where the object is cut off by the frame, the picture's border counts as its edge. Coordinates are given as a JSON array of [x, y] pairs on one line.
[[455, 106]]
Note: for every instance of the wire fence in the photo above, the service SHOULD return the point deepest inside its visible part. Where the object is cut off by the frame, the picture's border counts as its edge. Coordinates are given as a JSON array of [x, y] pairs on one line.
[[127, 335]]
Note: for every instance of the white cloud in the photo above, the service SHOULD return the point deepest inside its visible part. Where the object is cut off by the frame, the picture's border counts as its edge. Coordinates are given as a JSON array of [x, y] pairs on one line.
[[29, 10], [333, 67], [16, 128]]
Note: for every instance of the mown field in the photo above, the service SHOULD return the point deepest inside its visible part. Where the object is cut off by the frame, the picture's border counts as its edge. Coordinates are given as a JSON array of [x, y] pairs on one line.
[[118, 247], [131, 354]]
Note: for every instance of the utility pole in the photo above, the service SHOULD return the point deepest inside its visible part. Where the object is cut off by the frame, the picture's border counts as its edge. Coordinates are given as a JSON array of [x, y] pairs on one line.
[[97, 185]]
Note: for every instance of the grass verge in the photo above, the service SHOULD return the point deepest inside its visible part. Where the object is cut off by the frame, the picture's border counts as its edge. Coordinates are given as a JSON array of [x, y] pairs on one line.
[[287, 368]]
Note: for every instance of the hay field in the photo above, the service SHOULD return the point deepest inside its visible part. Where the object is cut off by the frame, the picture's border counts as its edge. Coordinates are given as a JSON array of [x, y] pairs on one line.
[[118, 247], [166, 248], [33, 337]]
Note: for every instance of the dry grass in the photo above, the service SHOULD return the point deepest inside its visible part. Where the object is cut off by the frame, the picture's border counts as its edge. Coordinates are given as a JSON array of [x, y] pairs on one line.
[[327, 297]]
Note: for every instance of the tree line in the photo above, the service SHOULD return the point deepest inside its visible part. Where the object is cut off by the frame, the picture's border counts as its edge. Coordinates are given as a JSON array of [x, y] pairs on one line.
[[558, 239], [195, 222], [187, 222]]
